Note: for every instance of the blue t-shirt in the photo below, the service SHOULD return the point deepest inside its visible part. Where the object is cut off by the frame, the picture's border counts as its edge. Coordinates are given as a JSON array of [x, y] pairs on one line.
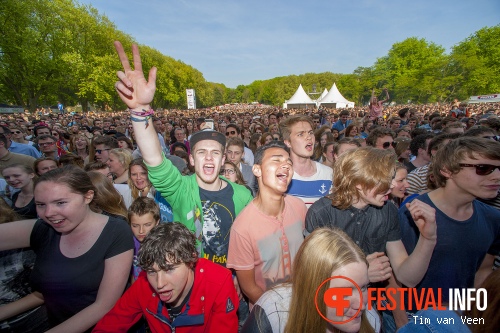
[[461, 245]]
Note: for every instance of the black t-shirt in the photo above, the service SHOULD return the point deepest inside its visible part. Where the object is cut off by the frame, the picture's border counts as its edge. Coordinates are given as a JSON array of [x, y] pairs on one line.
[[69, 285], [218, 217], [28, 211]]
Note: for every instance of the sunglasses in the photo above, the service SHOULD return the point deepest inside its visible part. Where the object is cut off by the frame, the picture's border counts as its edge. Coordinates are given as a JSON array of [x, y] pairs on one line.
[[228, 171], [386, 145], [16, 132], [99, 151], [231, 132], [481, 169]]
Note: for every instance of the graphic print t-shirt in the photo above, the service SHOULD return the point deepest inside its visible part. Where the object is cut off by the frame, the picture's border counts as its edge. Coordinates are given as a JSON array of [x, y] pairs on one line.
[[218, 217]]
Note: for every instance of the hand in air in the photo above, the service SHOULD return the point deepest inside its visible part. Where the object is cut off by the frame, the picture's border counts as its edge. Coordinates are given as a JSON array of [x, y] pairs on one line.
[[424, 217], [133, 88]]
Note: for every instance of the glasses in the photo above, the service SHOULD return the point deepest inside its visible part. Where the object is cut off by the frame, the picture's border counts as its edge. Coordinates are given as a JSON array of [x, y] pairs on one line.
[[99, 151], [230, 132], [45, 144], [481, 169], [16, 132], [227, 171], [386, 145]]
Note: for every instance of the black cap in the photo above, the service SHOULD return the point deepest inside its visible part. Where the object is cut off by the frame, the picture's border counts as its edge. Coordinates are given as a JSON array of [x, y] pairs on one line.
[[207, 134]]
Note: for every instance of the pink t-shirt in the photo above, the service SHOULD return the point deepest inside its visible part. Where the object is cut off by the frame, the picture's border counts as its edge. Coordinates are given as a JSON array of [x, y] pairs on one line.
[[265, 243]]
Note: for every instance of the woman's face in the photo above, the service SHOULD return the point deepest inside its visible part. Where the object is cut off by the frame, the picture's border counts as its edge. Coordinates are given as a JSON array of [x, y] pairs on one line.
[[115, 165], [329, 154], [323, 140], [269, 138], [139, 177], [229, 172], [17, 177], [60, 207], [122, 144], [358, 272], [80, 143], [354, 131], [405, 154], [400, 183], [189, 127]]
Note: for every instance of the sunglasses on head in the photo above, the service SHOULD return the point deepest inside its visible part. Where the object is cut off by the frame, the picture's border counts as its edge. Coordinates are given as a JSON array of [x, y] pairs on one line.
[[481, 169], [231, 132], [386, 145]]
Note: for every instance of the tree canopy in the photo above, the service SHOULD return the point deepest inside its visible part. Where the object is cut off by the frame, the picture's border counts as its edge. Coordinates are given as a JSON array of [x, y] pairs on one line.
[[60, 50]]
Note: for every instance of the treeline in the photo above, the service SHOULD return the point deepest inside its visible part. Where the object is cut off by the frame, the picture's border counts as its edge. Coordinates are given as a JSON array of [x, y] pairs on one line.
[[60, 50]]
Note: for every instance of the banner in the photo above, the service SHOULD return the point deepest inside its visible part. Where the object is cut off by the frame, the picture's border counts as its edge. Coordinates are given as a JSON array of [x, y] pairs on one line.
[[492, 98], [191, 98]]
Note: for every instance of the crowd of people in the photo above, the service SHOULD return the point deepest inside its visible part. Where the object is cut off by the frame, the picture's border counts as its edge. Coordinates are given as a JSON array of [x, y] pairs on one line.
[[231, 218]]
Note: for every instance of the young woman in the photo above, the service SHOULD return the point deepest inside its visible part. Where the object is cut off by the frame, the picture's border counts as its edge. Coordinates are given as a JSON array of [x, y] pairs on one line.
[[125, 143], [233, 173], [20, 177], [83, 258], [290, 307], [352, 131], [266, 138], [328, 158], [400, 182], [118, 162], [80, 146], [402, 149]]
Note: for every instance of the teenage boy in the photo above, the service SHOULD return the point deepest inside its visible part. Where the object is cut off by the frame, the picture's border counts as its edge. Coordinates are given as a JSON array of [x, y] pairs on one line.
[[102, 145], [267, 234], [469, 233], [143, 215], [311, 180], [204, 202], [359, 207], [177, 291]]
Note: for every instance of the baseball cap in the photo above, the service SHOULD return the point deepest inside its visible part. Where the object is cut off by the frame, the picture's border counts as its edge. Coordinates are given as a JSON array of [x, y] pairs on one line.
[[207, 134]]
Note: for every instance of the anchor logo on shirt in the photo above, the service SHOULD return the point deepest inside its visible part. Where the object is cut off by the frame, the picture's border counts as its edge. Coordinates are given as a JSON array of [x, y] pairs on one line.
[[323, 189]]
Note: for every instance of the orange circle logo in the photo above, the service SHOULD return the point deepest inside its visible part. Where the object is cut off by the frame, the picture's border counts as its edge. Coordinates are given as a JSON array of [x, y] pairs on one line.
[[339, 302]]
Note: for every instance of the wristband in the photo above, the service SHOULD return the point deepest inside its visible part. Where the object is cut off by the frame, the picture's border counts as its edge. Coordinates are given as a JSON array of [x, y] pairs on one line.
[[138, 120], [144, 113]]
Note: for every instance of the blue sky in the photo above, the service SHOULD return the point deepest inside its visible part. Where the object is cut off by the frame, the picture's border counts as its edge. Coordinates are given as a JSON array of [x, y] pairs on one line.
[[238, 42]]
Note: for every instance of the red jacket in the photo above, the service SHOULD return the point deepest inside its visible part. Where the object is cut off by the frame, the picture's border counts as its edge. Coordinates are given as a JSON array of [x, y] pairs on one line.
[[212, 306]]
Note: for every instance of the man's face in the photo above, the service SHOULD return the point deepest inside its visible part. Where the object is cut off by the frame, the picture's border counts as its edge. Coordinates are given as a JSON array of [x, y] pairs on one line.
[[172, 286], [234, 154], [276, 170], [106, 124], [422, 152], [47, 145], [469, 182], [157, 125], [98, 123], [412, 124], [231, 132], [207, 159], [373, 196], [384, 142], [179, 135], [404, 134], [222, 128], [343, 118], [301, 140], [43, 131], [395, 125], [101, 153], [273, 119]]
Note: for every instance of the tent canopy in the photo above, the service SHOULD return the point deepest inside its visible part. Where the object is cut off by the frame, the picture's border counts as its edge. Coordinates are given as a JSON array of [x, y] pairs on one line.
[[335, 99], [299, 100]]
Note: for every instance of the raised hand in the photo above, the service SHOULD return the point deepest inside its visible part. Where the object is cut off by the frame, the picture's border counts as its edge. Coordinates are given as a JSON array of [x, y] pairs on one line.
[[424, 217], [133, 88]]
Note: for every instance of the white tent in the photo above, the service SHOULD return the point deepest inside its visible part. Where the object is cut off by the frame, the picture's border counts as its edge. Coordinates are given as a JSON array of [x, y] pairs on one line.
[[323, 94], [334, 99], [299, 100]]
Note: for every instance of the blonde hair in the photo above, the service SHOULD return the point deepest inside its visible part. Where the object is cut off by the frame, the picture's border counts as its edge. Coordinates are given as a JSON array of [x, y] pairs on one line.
[[324, 251], [124, 156], [368, 167]]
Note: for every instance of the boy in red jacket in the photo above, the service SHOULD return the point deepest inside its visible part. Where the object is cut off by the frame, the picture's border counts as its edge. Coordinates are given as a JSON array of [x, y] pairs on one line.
[[176, 291]]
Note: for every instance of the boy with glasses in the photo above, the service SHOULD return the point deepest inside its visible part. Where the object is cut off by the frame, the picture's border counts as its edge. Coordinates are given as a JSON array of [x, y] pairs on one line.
[[381, 138], [102, 145], [465, 169]]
